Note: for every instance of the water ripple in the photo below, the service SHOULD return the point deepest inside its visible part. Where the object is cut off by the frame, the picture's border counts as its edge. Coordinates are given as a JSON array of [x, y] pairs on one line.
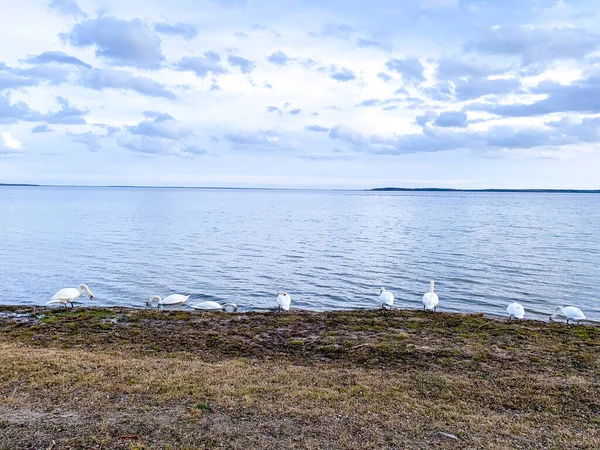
[[330, 250]]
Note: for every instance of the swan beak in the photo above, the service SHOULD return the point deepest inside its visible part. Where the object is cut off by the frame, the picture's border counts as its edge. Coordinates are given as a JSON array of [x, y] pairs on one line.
[[91, 297]]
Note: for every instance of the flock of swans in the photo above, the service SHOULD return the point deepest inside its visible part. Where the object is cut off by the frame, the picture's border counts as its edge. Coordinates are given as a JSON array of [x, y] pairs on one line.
[[284, 301]]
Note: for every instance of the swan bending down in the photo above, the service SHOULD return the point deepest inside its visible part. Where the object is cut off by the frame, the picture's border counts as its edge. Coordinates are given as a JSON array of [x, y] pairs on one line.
[[284, 301], [69, 295], [570, 312], [515, 310], [386, 298], [173, 299], [214, 306], [430, 299]]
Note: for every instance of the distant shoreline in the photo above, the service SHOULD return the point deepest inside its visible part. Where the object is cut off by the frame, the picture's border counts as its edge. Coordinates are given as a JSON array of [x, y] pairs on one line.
[[384, 189], [546, 191]]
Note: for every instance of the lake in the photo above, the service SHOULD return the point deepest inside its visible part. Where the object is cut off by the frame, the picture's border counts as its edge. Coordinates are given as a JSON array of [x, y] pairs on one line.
[[328, 249]]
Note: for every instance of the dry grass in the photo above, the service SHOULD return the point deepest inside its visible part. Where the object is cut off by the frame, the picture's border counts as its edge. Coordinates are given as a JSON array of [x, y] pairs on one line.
[[121, 378]]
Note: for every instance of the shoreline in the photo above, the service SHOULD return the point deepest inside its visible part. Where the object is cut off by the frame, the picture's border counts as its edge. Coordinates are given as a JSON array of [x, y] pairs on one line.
[[140, 378], [86, 305]]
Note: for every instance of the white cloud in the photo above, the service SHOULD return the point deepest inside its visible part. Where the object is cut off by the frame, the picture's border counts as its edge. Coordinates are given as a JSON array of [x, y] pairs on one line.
[[9, 144]]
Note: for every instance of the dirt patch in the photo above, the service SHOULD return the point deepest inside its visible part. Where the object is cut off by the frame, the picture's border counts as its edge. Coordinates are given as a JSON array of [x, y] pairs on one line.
[[27, 416]]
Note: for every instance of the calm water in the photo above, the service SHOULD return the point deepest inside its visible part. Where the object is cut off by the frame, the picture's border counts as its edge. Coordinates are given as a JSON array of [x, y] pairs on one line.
[[330, 250]]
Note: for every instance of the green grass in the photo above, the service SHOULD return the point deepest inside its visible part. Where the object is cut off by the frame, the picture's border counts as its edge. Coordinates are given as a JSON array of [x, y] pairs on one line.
[[204, 407]]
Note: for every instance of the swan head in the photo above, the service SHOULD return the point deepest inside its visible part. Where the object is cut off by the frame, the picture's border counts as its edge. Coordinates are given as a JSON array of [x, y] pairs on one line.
[[83, 288], [282, 293], [381, 291]]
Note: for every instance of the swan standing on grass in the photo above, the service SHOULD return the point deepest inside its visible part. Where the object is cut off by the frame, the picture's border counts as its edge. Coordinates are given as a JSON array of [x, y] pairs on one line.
[[515, 310], [386, 298], [430, 299], [570, 312], [214, 306], [173, 299], [69, 295], [284, 301]]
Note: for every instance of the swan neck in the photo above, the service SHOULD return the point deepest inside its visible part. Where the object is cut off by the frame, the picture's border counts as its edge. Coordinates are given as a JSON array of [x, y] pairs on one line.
[[556, 310], [84, 289], [151, 300], [431, 287]]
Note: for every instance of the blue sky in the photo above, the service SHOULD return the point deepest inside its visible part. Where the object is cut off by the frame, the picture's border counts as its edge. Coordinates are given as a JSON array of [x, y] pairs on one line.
[[301, 93]]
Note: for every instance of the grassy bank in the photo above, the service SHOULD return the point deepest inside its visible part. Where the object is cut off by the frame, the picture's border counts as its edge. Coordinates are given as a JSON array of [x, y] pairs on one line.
[[122, 378]]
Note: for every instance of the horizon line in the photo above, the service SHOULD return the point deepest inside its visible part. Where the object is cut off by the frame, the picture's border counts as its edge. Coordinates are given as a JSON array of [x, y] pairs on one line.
[[377, 189]]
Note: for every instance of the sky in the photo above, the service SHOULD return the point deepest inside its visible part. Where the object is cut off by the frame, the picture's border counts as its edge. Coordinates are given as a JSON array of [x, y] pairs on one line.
[[301, 93]]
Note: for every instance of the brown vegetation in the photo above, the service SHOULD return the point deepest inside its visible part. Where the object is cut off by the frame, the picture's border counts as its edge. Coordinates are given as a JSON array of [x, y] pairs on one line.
[[122, 378]]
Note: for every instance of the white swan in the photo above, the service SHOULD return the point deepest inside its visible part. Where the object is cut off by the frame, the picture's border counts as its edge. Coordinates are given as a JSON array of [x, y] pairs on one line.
[[570, 312], [515, 310], [214, 306], [69, 295], [386, 298], [284, 301], [430, 299], [173, 299]]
